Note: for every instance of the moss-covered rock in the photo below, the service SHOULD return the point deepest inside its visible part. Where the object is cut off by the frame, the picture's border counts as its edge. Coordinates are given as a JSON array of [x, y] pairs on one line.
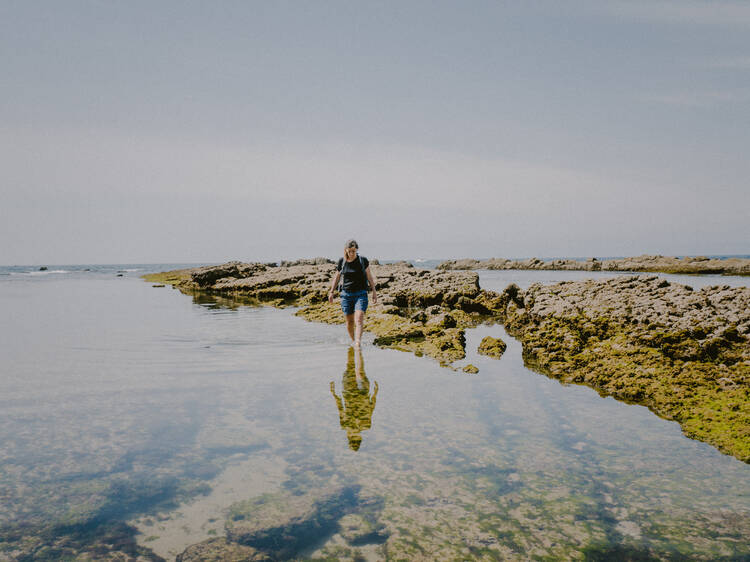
[[422, 311], [685, 354], [492, 347]]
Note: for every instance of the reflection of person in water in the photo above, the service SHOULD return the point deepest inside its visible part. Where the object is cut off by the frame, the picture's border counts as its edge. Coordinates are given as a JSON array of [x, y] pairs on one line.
[[355, 405]]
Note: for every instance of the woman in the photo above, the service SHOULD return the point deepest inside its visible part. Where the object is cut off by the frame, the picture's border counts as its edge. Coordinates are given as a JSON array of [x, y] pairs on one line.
[[354, 271]]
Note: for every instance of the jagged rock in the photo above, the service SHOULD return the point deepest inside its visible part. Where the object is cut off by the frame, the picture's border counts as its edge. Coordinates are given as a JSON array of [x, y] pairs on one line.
[[441, 320], [646, 263], [420, 317], [471, 369], [308, 261], [453, 299], [642, 339], [683, 353], [492, 347], [206, 276]]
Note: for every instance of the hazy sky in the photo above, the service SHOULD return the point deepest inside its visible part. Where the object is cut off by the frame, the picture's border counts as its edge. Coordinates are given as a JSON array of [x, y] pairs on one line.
[[205, 131]]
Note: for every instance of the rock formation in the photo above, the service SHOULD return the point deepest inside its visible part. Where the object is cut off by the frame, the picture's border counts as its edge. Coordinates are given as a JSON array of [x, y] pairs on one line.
[[644, 263], [685, 354], [492, 347], [423, 311]]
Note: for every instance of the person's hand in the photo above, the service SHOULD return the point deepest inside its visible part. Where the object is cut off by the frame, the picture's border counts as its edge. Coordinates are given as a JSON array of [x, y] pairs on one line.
[[330, 297], [374, 298]]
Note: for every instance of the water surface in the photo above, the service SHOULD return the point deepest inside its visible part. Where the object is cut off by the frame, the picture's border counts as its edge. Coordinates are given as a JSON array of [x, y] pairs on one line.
[[127, 403]]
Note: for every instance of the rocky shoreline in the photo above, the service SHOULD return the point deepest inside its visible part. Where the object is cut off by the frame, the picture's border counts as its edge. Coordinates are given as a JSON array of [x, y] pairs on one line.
[[422, 311], [685, 354], [644, 263]]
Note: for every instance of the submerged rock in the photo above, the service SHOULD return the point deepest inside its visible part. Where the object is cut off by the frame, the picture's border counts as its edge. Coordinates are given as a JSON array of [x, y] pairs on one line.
[[282, 525], [220, 550]]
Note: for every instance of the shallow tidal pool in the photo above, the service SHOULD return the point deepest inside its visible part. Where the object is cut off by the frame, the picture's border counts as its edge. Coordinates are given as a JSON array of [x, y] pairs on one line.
[[174, 419]]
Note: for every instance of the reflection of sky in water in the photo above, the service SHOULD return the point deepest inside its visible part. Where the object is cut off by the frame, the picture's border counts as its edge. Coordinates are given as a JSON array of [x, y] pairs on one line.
[[119, 399]]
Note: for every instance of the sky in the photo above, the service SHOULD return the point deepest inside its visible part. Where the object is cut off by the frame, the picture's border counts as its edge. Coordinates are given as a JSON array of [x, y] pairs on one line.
[[186, 132]]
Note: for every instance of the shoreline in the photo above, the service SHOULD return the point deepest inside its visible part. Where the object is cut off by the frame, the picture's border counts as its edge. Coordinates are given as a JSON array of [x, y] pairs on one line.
[[684, 354], [692, 265]]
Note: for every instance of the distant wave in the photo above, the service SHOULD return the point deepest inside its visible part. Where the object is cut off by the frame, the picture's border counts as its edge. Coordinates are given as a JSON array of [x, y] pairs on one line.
[[38, 272]]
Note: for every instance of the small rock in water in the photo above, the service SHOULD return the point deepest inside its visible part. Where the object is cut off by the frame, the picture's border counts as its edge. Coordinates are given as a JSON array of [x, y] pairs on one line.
[[43, 268], [157, 285], [470, 369], [492, 347]]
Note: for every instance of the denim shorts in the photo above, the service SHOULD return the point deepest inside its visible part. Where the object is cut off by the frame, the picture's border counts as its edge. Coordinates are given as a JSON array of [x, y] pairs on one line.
[[354, 301]]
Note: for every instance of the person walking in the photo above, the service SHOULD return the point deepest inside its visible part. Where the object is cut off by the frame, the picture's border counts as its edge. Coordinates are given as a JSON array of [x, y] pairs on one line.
[[354, 273]]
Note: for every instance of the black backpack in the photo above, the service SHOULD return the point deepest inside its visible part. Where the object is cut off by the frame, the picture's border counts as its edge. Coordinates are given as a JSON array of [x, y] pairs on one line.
[[364, 273]]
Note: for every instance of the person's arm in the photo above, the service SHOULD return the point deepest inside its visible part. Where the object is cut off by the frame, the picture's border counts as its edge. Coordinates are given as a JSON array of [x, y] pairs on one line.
[[333, 285], [339, 404], [371, 279]]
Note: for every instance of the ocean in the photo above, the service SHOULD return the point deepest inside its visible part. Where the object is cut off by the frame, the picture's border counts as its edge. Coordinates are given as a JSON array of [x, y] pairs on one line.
[[141, 420]]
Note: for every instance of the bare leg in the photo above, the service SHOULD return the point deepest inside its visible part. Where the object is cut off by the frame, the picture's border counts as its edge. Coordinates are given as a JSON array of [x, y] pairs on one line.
[[350, 325], [359, 320]]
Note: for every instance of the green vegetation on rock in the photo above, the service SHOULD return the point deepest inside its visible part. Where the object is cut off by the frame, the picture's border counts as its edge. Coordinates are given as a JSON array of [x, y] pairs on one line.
[[492, 347], [644, 341], [685, 354]]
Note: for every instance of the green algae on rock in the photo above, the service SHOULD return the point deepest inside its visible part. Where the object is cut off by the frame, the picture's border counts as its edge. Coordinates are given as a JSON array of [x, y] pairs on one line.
[[421, 311], [682, 353], [492, 347], [685, 354]]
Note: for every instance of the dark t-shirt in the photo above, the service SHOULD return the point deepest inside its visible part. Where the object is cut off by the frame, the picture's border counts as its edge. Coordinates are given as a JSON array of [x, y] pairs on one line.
[[352, 275]]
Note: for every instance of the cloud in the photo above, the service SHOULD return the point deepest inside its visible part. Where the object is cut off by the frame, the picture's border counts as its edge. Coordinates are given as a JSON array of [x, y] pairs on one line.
[[692, 12], [80, 162], [86, 196], [703, 99], [734, 63]]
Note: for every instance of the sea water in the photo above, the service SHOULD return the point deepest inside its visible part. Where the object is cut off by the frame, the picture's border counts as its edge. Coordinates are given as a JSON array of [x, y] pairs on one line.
[[123, 403]]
